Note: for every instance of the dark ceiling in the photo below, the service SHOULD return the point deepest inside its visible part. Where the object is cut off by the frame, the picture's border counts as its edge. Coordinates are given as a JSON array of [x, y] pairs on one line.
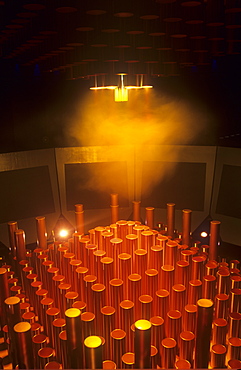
[[165, 40]]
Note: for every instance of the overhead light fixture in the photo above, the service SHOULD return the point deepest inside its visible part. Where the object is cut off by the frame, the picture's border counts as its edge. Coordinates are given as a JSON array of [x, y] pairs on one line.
[[121, 90]]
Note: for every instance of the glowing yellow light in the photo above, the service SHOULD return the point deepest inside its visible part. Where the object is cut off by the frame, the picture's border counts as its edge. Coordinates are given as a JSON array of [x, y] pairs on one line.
[[72, 312], [121, 94], [143, 324], [92, 341], [63, 233], [203, 302], [204, 234], [22, 327]]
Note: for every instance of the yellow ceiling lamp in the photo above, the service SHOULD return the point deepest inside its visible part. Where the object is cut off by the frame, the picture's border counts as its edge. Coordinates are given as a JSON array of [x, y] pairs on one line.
[[121, 90]]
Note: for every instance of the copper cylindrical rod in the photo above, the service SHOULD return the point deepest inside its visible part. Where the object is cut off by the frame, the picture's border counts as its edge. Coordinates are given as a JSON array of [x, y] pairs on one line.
[[214, 239], [161, 302], [235, 300], [53, 365], [82, 246], [150, 282], [173, 324], [81, 272], [4, 294], [51, 314], [221, 306], [88, 324], [46, 354], [12, 227], [125, 269], [116, 249], [186, 255], [99, 301], [149, 217], [181, 275], [209, 287], [59, 325], [197, 267], [170, 254], [108, 316], [116, 293], [63, 288], [70, 298], [219, 331], [118, 337], [234, 264], [170, 219], [204, 328], [235, 281], [93, 352], [76, 248], [234, 349], [24, 352], [166, 277], [147, 239], [79, 218], [39, 341], [20, 245], [223, 281], [136, 210], [81, 305], [234, 321], [142, 344], [178, 297], [41, 232], [128, 360], [155, 357], [140, 262], [89, 280], [194, 291], [234, 364], [29, 317], [106, 242], [168, 353], [13, 316], [109, 365], [108, 274], [182, 364], [98, 255], [51, 272], [138, 230], [155, 257], [186, 344], [89, 258], [145, 304], [122, 232], [73, 331], [211, 268], [186, 226], [114, 213], [158, 330], [114, 199], [131, 244], [126, 319], [66, 267], [74, 264], [134, 289], [63, 347]]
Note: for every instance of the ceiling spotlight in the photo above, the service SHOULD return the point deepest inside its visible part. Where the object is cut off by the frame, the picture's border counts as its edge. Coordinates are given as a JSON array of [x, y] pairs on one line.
[[204, 234], [121, 90]]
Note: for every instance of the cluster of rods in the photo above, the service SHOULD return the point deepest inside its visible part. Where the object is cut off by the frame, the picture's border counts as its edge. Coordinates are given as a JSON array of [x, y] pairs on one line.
[[127, 295]]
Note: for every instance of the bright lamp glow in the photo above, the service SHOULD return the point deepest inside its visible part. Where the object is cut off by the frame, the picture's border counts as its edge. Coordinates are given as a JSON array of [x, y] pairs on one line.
[[63, 233], [204, 234]]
